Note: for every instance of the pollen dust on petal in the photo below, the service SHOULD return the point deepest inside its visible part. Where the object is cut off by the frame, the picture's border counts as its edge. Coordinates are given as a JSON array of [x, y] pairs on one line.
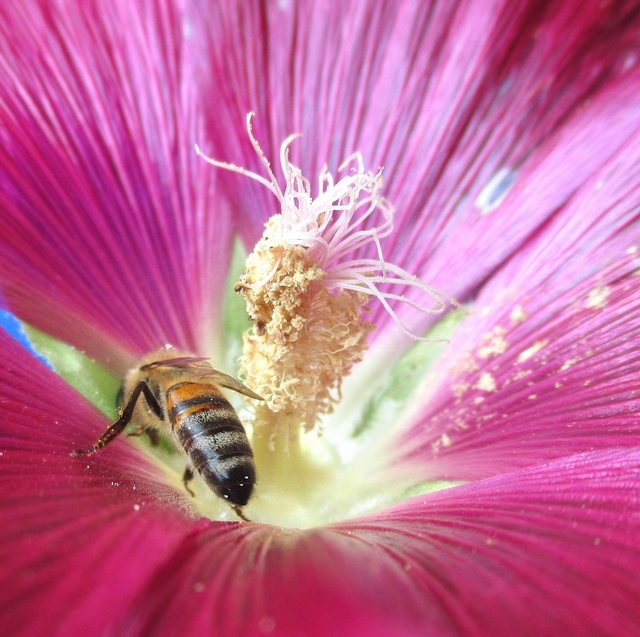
[[598, 297], [493, 343], [486, 382], [532, 351], [518, 315]]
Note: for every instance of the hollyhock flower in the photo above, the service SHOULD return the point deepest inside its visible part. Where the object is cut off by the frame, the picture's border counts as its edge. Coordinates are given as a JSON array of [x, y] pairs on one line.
[[484, 486]]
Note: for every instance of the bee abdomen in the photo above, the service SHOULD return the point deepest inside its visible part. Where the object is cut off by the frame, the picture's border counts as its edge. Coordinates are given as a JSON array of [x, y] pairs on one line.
[[215, 440]]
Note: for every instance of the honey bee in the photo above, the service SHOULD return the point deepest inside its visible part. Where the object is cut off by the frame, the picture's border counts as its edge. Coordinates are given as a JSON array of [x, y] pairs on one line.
[[184, 392]]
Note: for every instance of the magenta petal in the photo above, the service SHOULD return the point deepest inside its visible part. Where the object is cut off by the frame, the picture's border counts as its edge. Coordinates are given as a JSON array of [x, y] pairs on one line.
[[540, 92], [524, 553], [44, 419], [548, 364], [78, 537], [549, 549], [263, 580], [111, 236], [565, 383]]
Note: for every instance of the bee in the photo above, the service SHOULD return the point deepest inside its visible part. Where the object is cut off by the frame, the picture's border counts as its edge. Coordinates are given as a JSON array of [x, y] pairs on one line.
[[184, 393]]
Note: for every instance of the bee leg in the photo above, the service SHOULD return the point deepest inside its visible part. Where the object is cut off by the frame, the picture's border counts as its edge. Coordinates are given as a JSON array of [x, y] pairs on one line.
[[125, 418], [153, 435], [239, 513], [187, 476], [149, 432], [119, 397]]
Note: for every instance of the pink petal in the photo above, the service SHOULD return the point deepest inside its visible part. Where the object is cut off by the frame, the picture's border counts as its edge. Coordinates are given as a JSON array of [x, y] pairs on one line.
[[548, 363], [550, 546], [111, 234], [550, 550], [545, 93], [78, 537]]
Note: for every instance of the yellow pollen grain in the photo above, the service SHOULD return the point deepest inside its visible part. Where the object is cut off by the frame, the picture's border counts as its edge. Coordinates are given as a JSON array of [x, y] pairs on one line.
[[459, 389], [486, 382], [518, 315], [495, 344], [466, 364], [598, 297], [569, 363], [531, 351]]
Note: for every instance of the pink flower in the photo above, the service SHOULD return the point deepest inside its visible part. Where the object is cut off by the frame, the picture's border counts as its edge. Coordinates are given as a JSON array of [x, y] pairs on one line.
[[509, 134]]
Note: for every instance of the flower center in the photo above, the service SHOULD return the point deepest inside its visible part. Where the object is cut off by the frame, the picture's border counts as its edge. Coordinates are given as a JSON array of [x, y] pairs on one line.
[[307, 290]]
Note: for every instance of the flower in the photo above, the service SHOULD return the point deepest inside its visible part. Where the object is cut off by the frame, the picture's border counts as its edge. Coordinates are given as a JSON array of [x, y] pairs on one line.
[[508, 133]]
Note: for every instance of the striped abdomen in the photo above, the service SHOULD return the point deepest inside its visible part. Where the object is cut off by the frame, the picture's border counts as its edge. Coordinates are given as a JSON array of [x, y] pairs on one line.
[[210, 432]]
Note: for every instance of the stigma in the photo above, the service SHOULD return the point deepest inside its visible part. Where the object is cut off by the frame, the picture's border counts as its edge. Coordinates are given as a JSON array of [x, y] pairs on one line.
[[307, 291]]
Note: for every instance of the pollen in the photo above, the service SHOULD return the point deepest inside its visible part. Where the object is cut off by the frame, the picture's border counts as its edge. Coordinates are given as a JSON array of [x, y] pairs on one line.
[[307, 288], [305, 339]]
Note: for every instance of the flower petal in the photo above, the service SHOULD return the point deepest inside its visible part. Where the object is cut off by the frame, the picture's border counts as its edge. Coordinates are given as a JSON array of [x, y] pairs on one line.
[[548, 550], [85, 533], [550, 546], [110, 231], [500, 91], [532, 553], [547, 365]]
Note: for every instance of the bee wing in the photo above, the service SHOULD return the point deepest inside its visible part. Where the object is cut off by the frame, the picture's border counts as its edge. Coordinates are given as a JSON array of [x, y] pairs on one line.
[[231, 383], [201, 367], [182, 361]]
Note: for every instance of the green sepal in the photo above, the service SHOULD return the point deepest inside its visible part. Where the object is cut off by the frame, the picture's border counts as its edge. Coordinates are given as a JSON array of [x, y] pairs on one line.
[[403, 378], [236, 322], [95, 383], [428, 487]]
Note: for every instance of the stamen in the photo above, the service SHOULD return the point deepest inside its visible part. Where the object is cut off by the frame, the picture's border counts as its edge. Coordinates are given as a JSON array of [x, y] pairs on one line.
[[308, 300]]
